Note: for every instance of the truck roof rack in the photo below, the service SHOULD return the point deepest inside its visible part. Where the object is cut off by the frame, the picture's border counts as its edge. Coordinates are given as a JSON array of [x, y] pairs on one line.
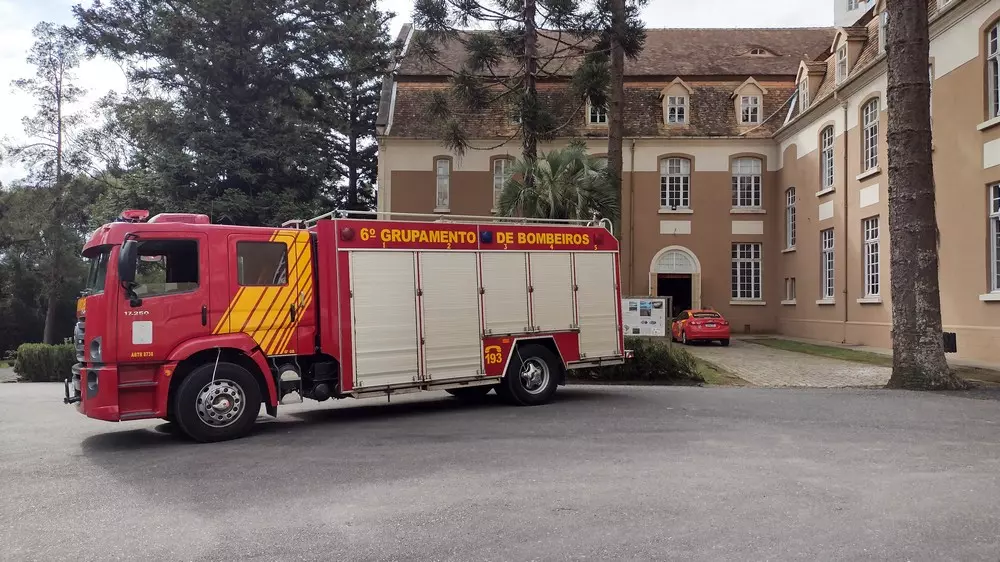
[[299, 223]]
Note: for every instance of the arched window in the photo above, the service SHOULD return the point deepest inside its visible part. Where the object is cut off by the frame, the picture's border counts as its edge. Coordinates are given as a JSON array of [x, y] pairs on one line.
[[747, 187], [675, 183], [869, 135], [826, 158], [790, 218], [993, 69]]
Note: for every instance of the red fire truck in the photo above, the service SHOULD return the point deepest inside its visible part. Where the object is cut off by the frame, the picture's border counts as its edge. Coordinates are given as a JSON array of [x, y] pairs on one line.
[[201, 323]]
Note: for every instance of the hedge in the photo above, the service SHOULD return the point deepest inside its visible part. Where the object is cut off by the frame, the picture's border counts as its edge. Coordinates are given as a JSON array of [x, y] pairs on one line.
[[39, 362], [654, 362]]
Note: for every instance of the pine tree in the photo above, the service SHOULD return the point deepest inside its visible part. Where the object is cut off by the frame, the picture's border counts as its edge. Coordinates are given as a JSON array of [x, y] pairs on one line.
[[528, 40], [356, 101], [49, 157], [236, 100]]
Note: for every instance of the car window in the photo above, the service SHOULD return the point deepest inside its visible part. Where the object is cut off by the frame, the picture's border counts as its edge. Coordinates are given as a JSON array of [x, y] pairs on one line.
[[682, 316], [707, 315]]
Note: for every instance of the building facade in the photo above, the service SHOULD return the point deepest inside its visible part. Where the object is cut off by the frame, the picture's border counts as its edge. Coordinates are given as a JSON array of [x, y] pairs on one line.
[[755, 170]]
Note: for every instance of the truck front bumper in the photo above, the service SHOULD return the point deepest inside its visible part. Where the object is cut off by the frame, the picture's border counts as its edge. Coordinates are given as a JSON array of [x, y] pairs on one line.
[[94, 390]]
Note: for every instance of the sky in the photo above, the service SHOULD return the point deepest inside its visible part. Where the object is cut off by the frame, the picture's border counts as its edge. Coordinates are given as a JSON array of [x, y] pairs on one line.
[[18, 17]]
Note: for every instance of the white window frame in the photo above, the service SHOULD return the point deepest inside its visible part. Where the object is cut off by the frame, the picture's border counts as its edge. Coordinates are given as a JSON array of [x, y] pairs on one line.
[[677, 110], [500, 178], [853, 5], [749, 110], [993, 69], [597, 115], [841, 64], [747, 271], [870, 251], [827, 165], [675, 183], [748, 190], [790, 218], [803, 94], [828, 270], [994, 244], [883, 28], [442, 187], [869, 135]]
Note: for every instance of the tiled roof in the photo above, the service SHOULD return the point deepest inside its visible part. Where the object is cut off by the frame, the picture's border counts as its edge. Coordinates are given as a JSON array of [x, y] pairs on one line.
[[712, 113], [673, 52]]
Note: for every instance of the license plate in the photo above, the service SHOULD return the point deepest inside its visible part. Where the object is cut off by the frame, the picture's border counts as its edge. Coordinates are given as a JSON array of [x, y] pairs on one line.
[[710, 325]]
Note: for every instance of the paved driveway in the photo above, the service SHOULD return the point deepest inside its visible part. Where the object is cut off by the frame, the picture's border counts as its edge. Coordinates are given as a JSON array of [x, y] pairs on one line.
[[610, 473], [765, 366], [7, 375]]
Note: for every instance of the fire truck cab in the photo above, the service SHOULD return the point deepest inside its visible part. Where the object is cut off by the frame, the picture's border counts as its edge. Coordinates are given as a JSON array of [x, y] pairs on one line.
[[201, 323]]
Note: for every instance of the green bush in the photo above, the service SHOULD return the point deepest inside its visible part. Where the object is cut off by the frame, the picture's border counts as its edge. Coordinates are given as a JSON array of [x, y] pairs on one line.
[[39, 362], [654, 362]]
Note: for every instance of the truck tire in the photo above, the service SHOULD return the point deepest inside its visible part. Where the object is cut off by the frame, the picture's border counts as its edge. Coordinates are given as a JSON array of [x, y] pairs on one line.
[[217, 409], [471, 393], [532, 376]]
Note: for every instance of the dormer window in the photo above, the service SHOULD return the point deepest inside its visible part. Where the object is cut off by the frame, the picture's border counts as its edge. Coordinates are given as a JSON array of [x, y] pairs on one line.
[[598, 115], [677, 110], [853, 5], [748, 99], [803, 94], [841, 64], [676, 100], [749, 110]]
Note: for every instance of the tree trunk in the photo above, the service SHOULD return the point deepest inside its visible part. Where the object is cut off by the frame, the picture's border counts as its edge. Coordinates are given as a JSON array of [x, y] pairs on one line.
[[529, 119], [54, 237], [352, 157], [49, 334], [918, 349], [616, 101]]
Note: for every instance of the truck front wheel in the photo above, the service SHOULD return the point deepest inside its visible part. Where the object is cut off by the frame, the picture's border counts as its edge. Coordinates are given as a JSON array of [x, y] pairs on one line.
[[217, 402], [532, 376]]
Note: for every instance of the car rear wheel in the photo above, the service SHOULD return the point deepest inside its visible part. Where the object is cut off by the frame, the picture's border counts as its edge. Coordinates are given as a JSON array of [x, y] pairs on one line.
[[725, 342], [684, 338]]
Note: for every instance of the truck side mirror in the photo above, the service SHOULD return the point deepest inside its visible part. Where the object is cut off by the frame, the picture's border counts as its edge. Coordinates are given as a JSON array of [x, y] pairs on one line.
[[126, 270], [127, 262]]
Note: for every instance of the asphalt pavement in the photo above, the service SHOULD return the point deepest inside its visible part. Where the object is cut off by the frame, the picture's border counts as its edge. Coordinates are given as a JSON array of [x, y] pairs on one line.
[[603, 473]]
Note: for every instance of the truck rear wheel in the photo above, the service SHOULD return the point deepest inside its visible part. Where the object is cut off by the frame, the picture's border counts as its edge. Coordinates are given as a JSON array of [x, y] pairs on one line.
[[217, 402], [532, 376]]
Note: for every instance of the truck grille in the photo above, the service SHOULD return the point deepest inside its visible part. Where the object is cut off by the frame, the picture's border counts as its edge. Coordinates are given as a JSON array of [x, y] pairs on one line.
[[78, 341]]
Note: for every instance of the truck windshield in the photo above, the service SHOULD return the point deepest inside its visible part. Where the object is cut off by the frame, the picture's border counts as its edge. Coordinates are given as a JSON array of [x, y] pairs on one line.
[[97, 269]]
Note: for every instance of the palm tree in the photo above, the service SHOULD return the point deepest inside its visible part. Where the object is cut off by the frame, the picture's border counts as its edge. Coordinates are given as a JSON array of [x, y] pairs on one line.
[[567, 184]]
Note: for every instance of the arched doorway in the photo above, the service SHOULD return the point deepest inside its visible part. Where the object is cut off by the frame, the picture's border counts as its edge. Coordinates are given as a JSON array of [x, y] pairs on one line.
[[676, 272]]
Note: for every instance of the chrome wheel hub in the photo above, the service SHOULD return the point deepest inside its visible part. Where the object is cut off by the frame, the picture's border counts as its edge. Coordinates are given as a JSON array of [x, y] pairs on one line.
[[220, 403], [534, 376]]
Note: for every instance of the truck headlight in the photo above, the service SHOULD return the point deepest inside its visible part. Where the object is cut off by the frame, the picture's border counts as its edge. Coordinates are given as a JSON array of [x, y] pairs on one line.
[[95, 350]]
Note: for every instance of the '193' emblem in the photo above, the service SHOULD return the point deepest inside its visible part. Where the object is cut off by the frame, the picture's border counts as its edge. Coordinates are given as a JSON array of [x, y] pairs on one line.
[[136, 312]]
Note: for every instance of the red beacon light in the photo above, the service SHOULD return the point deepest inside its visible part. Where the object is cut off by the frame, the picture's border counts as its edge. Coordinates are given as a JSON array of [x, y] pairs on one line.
[[133, 215]]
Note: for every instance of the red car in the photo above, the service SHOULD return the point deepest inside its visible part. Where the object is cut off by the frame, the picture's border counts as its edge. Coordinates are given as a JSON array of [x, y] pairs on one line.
[[700, 325]]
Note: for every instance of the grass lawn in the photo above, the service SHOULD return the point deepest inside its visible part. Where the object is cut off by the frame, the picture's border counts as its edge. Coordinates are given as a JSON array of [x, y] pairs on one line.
[[844, 354]]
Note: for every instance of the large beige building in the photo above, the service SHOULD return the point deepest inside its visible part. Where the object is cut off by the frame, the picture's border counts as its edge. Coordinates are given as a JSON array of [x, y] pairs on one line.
[[755, 170]]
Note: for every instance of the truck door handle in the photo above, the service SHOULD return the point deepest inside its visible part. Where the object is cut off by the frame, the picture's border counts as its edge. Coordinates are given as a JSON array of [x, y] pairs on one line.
[[291, 311], [204, 315]]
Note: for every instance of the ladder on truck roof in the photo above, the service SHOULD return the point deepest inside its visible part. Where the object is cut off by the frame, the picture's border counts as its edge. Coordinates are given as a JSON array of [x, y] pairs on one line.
[[487, 219]]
